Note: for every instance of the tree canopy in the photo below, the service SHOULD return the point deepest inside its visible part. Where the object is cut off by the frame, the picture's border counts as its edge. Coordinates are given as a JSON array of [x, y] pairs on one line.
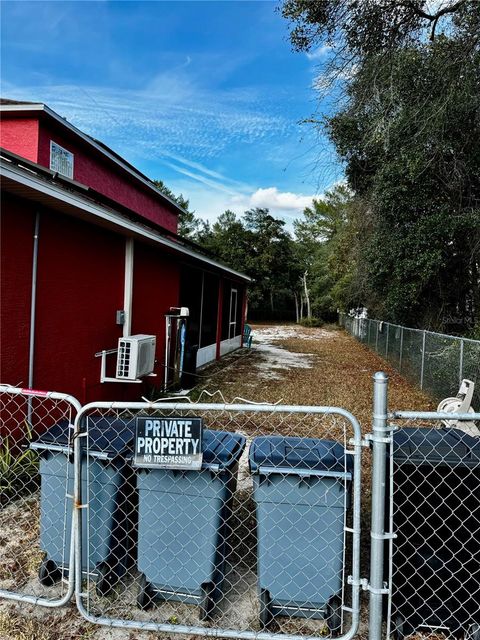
[[408, 134]]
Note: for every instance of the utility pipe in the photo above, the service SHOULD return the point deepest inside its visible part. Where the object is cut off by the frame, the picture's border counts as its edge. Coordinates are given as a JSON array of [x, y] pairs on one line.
[[31, 354]]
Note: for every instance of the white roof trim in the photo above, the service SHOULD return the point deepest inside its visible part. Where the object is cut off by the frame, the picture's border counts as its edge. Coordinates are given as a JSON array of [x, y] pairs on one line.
[[91, 142], [30, 180]]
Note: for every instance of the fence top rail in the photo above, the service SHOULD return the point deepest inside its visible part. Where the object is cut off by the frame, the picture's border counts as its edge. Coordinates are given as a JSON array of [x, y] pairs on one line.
[[433, 415], [399, 326], [205, 406], [36, 393]]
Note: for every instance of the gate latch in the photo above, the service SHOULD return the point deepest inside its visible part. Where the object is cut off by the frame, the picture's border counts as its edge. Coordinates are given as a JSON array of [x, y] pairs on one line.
[[366, 586]]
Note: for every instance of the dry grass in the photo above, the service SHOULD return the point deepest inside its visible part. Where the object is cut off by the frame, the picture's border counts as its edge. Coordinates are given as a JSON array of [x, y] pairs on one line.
[[341, 376], [20, 555]]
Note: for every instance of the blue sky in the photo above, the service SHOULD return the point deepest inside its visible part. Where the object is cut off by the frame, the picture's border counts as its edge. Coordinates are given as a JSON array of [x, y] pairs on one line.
[[206, 96]]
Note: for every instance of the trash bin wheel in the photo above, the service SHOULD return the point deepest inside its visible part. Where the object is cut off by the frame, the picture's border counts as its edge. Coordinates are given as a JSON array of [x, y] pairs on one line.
[[399, 631], [106, 579], [266, 617], [333, 616], [49, 573], [473, 632], [207, 602], [145, 594]]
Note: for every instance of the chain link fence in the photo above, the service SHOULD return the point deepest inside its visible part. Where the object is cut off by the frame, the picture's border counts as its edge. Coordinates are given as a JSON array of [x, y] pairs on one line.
[[261, 541], [259, 538], [435, 362], [36, 491]]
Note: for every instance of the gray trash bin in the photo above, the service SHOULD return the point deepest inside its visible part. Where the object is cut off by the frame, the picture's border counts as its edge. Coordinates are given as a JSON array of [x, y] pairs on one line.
[[111, 526], [184, 526], [301, 491]]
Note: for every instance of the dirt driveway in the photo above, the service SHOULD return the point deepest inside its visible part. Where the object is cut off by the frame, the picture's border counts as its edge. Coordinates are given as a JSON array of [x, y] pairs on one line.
[[286, 364]]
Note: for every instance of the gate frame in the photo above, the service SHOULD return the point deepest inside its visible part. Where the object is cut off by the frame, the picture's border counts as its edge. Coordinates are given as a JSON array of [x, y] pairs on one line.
[[382, 439], [354, 581], [40, 600]]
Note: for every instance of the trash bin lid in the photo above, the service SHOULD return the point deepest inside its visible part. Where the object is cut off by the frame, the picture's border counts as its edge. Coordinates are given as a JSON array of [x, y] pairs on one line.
[[108, 436], [221, 448], [292, 454], [447, 446]]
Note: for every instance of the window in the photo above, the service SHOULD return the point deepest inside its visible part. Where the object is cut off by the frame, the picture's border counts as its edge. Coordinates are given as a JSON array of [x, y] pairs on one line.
[[61, 160]]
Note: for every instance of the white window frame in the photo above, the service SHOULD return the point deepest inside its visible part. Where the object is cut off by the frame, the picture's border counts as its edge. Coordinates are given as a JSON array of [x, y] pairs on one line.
[[233, 307]]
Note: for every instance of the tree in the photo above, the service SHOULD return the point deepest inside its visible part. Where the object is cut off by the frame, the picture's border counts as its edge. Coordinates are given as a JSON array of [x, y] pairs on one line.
[[256, 244], [327, 239], [188, 224], [270, 260]]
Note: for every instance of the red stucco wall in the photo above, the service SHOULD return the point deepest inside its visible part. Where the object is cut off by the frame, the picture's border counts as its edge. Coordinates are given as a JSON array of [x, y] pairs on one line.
[[80, 286], [30, 138], [104, 176], [156, 288], [16, 244], [20, 135], [79, 289]]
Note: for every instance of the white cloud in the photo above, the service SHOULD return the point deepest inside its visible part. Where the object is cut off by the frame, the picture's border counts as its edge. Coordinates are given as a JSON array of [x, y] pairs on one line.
[[209, 203], [272, 198]]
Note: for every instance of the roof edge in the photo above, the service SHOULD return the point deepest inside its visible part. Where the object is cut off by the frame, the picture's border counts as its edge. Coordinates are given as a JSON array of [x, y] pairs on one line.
[[126, 166], [57, 191]]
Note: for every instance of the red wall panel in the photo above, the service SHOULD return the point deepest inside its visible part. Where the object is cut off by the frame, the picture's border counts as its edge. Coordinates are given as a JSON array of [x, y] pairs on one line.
[[79, 288], [104, 176], [16, 243], [156, 288], [20, 135]]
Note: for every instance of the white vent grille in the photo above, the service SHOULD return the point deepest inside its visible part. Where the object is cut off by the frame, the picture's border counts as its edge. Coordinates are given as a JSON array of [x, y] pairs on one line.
[[61, 160], [136, 356]]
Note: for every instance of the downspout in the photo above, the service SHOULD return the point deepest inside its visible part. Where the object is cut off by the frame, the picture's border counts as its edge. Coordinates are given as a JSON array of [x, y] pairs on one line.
[[31, 354], [33, 304]]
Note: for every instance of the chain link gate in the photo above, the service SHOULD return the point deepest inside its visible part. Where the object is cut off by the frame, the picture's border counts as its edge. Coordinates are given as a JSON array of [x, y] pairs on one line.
[[425, 548], [36, 491], [262, 542]]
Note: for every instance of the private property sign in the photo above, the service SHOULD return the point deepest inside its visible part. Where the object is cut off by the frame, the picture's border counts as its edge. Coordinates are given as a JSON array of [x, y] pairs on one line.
[[169, 443]]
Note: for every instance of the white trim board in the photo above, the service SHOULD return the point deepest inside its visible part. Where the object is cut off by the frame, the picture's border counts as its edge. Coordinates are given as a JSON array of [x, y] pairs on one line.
[[206, 355], [230, 345]]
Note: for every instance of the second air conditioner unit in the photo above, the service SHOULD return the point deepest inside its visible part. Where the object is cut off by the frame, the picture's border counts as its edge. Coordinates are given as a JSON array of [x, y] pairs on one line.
[[136, 356]]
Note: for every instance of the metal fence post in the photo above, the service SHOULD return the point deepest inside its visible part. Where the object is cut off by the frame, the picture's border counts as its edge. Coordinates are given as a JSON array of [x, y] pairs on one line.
[[460, 366], [422, 370], [377, 529], [401, 350], [376, 338], [386, 346]]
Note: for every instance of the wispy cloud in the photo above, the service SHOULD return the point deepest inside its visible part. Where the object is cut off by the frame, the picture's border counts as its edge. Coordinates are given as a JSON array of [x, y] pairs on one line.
[[177, 120], [320, 53]]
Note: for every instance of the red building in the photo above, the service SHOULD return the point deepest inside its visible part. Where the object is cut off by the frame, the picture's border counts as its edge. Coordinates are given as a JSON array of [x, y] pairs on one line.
[[89, 253]]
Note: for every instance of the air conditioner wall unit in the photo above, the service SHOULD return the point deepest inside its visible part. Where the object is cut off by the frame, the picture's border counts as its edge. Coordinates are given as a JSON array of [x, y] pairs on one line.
[[136, 356]]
